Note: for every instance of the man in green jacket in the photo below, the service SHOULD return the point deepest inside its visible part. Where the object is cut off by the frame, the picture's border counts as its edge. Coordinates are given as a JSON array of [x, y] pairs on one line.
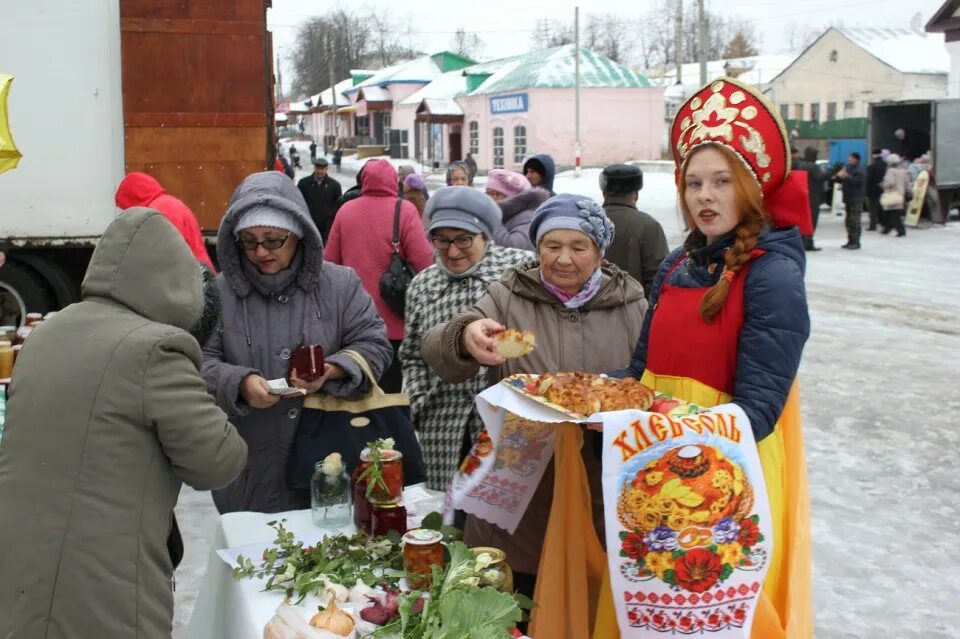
[[107, 415], [639, 244]]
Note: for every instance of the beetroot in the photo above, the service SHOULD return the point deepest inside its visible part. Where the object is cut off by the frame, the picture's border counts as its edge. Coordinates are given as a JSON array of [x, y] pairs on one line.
[[379, 612]]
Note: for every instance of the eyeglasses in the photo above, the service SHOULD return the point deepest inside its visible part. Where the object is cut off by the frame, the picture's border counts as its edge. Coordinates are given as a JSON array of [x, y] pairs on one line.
[[271, 243], [460, 241]]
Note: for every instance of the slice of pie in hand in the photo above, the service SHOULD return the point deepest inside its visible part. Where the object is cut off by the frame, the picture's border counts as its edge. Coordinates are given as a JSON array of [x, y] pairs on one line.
[[512, 343]]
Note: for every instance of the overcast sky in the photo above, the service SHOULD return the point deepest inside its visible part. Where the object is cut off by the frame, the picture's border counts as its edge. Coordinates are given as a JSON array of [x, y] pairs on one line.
[[506, 26]]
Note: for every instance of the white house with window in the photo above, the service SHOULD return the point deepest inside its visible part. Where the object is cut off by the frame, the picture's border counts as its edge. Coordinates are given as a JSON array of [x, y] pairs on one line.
[[846, 69]]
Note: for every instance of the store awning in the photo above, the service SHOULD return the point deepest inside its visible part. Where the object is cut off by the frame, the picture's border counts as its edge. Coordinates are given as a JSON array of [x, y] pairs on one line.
[[347, 109]]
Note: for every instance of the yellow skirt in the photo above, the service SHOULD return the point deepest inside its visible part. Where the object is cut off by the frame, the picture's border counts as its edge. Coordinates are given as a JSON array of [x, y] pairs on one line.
[[785, 609]]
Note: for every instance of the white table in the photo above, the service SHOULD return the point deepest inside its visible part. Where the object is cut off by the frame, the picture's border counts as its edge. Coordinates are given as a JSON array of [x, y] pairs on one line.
[[228, 609]]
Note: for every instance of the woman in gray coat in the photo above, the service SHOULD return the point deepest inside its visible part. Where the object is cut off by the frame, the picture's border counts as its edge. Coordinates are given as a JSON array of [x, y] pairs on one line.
[[278, 294], [107, 416]]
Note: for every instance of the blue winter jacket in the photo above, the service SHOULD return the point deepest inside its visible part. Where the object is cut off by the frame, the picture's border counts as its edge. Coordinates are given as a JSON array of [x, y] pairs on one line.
[[775, 326], [548, 172]]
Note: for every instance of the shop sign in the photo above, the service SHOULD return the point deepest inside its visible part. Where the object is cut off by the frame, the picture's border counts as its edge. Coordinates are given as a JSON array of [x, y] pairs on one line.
[[512, 103]]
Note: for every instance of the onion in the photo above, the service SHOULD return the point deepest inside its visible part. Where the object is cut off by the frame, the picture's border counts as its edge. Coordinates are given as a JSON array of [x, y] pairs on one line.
[[333, 620]]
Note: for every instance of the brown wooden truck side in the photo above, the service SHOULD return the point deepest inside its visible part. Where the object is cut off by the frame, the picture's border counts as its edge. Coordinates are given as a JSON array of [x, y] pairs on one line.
[[197, 86]]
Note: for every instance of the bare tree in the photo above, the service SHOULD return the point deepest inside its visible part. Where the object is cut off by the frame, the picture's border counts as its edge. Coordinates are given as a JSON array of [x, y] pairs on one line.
[[552, 33], [797, 36], [345, 41], [468, 45]]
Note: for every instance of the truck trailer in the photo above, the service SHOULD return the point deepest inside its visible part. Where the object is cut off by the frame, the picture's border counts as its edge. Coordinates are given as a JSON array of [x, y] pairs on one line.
[[179, 90], [928, 125]]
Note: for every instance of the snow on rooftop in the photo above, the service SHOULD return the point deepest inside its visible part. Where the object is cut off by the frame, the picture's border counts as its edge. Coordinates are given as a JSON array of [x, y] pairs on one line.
[[448, 86], [375, 94], [440, 106], [756, 70], [324, 98], [555, 68], [422, 69], [905, 50]]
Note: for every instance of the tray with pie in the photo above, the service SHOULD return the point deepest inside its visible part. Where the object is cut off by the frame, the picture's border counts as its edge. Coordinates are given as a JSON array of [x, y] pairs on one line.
[[579, 395]]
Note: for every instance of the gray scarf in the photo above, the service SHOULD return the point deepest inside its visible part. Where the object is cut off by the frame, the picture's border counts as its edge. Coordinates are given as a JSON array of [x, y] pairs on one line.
[[268, 285]]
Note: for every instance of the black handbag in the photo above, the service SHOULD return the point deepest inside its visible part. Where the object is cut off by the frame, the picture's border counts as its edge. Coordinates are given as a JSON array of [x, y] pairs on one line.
[[345, 425], [397, 277]]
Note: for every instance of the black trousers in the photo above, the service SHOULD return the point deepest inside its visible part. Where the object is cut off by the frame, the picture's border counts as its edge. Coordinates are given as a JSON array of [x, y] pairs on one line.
[[392, 379], [892, 220]]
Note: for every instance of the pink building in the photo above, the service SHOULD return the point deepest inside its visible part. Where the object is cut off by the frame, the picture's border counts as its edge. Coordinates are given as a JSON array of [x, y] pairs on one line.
[[437, 108], [505, 110]]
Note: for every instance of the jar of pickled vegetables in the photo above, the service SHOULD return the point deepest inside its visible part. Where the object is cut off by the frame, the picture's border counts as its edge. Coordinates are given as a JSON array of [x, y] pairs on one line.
[[497, 572], [386, 517], [422, 549]]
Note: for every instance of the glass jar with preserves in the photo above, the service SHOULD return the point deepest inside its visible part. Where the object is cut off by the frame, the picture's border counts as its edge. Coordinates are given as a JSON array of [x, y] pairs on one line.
[[385, 482], [422, 549], [8, 333], [6, 359], [386, 517], [497, 572]]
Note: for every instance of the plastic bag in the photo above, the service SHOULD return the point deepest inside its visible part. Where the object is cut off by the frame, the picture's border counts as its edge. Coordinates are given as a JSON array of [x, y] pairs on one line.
[[288, 623]]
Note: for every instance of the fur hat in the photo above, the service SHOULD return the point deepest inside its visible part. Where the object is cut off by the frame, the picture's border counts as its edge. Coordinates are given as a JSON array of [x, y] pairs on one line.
[[509, 183], [462, 207], [414, 181]]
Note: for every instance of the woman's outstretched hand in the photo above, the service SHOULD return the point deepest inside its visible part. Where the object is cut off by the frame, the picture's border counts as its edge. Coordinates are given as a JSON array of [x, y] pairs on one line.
[[478, 341]]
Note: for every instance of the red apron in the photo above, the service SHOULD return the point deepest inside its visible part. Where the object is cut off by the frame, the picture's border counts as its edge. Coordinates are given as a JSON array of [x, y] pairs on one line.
[[697, 362]]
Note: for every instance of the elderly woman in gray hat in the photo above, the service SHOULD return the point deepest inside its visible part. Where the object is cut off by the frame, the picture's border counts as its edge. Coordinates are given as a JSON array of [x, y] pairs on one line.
[[460, 222], [277, 295], [586, 315]]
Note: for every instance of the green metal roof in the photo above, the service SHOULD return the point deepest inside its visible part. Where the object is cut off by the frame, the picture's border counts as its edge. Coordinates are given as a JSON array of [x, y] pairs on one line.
[[555, 68], [449, 61]]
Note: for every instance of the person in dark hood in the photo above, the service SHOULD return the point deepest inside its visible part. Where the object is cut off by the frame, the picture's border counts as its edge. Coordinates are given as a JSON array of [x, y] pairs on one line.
[[106, 417], [815, 178], [278, 294], [540, 171], [140, 189]]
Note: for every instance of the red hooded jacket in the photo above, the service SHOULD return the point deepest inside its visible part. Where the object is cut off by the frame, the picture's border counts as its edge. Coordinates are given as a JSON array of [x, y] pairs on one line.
[[140, 189]]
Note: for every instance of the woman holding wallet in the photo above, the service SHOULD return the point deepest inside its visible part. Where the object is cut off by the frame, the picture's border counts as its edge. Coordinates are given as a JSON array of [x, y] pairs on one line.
[[277, 295]]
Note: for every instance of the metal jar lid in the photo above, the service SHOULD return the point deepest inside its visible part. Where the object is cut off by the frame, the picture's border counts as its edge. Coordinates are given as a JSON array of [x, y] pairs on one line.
[[422, 537]]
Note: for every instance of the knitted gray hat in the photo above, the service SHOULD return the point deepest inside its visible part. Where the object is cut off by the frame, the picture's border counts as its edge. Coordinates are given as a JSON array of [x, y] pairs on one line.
[[576, 213], [268, 216], [463, 207]]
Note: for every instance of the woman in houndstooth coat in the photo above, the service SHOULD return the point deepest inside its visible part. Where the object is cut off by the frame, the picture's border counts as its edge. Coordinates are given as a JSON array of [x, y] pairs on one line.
[[462, 221]]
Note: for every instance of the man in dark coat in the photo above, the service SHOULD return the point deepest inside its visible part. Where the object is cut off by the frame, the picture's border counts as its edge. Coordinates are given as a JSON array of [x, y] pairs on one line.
[[875, 173], [321, 193], [540, 171], [854, 182], [639, 244], [815, 178]]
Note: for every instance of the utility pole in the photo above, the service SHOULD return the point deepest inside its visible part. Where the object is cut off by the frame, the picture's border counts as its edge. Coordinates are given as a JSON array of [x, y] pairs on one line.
[[702, 20], [576, 70], [678, 40], [333, 91]]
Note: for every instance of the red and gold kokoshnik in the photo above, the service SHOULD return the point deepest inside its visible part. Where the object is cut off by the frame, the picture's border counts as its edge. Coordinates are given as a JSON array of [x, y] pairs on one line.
[[739, 117]]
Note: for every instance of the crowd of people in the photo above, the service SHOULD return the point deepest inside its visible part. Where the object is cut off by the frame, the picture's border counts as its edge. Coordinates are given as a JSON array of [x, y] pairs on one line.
[[169, 382]]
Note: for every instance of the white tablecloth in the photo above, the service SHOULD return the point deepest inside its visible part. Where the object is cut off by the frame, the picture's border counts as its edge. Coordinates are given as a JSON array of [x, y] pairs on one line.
[[228, 609]]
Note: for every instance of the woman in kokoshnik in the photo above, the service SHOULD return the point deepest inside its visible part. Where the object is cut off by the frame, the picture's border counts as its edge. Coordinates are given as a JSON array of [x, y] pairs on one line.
[[728, 313]]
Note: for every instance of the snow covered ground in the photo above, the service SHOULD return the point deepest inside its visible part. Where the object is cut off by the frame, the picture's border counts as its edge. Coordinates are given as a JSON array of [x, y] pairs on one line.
[[881, 388]]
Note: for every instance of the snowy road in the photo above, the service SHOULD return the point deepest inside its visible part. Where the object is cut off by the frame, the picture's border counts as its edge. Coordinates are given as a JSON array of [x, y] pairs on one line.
[[879, 379]]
